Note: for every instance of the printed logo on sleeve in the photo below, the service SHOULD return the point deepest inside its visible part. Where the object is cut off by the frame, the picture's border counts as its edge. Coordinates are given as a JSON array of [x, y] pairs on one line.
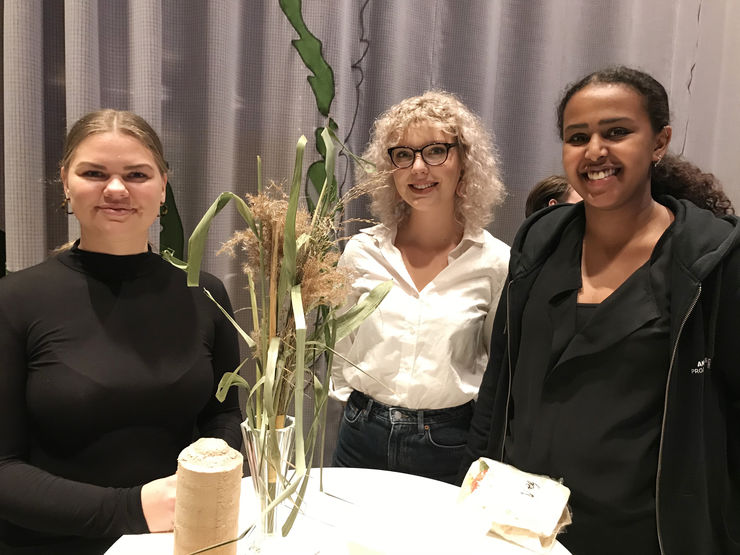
[[701, 365]]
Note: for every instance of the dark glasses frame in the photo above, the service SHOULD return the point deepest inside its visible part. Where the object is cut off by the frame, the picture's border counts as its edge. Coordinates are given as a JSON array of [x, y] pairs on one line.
[[421, 150]]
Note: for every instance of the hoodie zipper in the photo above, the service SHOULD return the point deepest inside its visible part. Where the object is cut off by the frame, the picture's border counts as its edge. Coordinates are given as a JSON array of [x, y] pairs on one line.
[[508, 357], [665, 411], [665, 401]]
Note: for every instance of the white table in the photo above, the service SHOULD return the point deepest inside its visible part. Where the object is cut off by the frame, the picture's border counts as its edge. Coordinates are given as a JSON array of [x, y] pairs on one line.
[[362, 511]]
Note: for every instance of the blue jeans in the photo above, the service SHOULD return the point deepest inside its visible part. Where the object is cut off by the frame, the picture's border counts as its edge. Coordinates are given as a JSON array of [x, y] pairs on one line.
[[427, 443]]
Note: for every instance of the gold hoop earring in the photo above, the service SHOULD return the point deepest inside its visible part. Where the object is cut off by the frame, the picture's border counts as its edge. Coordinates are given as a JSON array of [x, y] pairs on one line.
[[66, 205]]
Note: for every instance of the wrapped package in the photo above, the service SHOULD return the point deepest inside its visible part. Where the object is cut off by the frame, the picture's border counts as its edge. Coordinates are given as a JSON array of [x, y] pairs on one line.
[[526, 509]]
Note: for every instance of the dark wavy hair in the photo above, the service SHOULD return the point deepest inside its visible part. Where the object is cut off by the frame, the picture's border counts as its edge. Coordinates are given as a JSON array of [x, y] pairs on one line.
[[673, 175]]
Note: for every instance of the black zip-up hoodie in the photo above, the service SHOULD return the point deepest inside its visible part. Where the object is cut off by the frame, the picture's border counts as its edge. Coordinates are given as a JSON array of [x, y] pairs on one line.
[[698, 468]]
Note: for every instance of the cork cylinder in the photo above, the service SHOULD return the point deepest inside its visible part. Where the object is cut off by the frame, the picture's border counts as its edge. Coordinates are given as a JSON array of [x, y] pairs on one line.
[[209, 475]]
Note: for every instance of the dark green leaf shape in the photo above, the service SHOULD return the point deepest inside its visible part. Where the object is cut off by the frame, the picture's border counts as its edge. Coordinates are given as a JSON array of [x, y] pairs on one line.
[[171, 236], [309, 49]]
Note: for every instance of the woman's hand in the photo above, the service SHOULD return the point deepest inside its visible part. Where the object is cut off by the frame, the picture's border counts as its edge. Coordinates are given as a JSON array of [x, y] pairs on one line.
[[158, 503]]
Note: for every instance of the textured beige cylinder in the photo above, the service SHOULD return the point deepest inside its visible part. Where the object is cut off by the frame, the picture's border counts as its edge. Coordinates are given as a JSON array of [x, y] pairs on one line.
[[209, 475]]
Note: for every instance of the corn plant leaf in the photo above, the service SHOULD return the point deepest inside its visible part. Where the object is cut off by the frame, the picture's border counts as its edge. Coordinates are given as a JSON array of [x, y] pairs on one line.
[[170, 257], [322, 395], [296, 506], [300, 342], [229, 379], [317, 425], [348, 361], [270, 374], [244, 335], [256, 386], [290, 487], [288, 263], [283, 391], [250, 409], [254, 306], [366, 165], [322, 205], [348, 321], [302, 240], [197, 241]]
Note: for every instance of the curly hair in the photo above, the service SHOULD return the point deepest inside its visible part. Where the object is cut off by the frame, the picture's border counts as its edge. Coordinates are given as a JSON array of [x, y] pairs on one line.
[[481, 185], [680, 178], [673, 175]]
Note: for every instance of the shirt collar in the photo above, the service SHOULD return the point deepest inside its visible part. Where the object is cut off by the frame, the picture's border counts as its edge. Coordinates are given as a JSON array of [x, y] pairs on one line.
[[385, 235]]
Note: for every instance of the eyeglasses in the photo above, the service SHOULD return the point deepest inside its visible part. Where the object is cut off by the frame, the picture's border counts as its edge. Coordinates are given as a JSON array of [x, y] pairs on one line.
[[433, 154]]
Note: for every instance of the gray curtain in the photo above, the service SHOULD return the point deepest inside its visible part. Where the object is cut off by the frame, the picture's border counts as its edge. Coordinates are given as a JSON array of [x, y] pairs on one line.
[[221, 82]]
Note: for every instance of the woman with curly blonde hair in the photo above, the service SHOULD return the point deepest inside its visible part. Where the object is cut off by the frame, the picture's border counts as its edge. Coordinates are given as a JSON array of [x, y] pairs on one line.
[[420, 357]]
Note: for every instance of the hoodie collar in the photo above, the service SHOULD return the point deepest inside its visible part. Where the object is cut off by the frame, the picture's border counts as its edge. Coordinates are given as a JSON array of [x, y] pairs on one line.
[[539, 235], [701, 239]]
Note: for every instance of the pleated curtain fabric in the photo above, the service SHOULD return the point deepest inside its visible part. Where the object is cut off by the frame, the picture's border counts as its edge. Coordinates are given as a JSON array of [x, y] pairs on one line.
[[221, 82]]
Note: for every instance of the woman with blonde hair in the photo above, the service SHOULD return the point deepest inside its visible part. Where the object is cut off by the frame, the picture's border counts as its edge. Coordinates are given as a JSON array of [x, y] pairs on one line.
[[420, 357], [110, 361]]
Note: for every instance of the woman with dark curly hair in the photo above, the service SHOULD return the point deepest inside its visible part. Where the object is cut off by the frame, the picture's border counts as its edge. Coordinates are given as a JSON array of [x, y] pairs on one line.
[[420, 356], [613, 358]]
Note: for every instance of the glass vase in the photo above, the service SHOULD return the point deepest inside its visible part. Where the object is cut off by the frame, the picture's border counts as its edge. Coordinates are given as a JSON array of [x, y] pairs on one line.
[[270, 458]]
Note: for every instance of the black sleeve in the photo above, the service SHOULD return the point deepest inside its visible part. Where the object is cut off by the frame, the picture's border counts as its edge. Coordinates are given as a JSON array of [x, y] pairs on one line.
[[726, 334], [480, 428], [725, 362], [217, 419], [31, 497]]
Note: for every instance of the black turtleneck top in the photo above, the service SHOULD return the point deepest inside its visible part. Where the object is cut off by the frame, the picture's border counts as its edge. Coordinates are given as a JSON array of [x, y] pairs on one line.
[[109, 366]]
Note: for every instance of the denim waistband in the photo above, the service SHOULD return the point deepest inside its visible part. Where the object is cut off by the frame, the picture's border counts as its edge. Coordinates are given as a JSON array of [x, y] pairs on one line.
[[399, 415]]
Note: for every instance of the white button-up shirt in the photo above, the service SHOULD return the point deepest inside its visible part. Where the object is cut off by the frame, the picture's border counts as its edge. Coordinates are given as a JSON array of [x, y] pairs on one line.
[[423, 349]]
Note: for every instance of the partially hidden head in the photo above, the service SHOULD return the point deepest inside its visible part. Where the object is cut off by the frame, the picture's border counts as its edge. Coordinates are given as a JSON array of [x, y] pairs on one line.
[[479, 188], [554, 189], [114, 175]]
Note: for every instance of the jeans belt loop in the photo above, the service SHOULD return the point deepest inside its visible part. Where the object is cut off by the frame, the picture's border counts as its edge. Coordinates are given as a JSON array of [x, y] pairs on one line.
[[368, 406], [420, 420]]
